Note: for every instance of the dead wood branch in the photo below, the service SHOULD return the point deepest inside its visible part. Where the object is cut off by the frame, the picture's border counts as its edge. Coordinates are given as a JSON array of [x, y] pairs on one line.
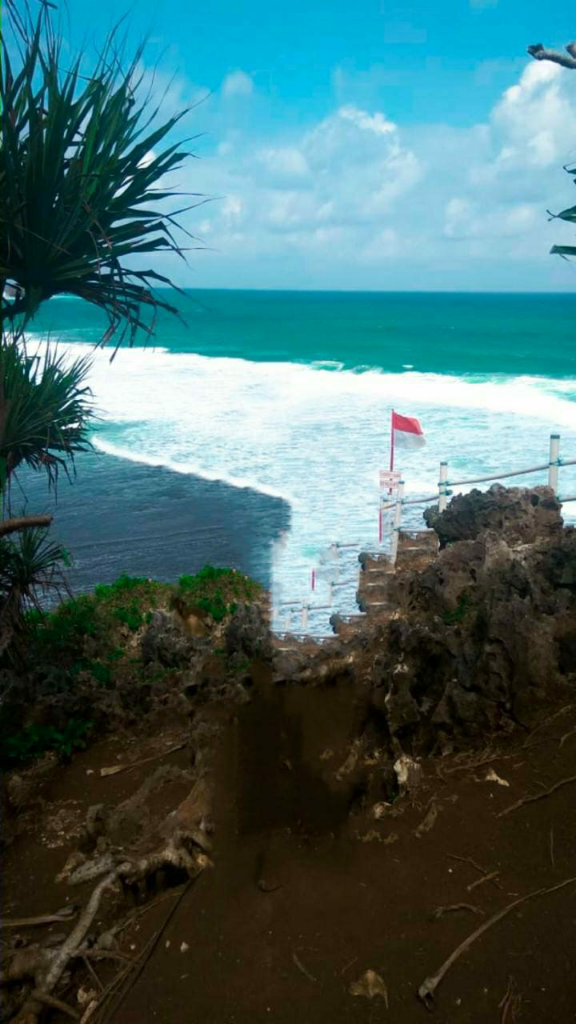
[[32, 1008], [116, 769], [28, 922], [430, 984], [539, 796], [23, 523], [540, 52]]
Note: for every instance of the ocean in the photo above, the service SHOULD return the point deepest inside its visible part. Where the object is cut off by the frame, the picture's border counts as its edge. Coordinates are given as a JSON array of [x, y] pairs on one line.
[[281, 402]]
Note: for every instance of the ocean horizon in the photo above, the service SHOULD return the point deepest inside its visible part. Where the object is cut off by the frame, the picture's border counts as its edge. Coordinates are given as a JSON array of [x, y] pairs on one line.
[[289, 394]]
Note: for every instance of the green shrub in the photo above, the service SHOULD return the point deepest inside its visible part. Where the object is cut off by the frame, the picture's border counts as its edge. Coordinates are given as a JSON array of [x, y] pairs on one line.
[[214, 591], [38, 739], [131, 616], [120, 586]]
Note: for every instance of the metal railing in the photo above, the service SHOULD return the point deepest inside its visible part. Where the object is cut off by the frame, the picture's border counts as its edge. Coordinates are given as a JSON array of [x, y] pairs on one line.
[[445, 485], [445, 490]]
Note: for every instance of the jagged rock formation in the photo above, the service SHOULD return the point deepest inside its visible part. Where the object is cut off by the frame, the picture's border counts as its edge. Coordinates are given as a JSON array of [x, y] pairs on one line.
[[485, 634]]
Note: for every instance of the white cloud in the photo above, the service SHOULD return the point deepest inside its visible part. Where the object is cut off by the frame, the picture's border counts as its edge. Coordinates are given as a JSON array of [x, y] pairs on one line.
[[285, 162], [354, 194], [376, 123], [237, 83], [534, 115]]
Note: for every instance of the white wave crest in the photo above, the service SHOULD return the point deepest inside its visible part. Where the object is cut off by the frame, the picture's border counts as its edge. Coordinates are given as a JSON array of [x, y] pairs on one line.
[[318, 436]]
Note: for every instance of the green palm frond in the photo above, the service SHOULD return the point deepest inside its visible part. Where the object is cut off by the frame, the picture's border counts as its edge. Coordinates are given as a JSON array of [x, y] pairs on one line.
[[31, 563], [83, 165], [45, 408]]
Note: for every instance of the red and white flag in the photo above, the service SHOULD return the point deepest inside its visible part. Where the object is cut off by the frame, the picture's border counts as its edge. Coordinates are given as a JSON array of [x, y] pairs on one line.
[[407, 432]]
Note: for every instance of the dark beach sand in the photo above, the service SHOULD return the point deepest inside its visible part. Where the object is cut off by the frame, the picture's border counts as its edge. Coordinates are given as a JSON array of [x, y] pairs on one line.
[[120, 517]]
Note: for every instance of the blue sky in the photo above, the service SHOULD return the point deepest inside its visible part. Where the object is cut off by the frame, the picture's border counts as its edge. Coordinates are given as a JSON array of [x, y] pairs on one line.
[[368, 145]]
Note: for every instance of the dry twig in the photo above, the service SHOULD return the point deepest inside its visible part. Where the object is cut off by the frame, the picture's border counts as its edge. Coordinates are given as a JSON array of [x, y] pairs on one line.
[[510, 1002], [301, 967], [28, 922], [539, 796], [441, 911], [490, 877], [566, 736], [468, 860], [117, 768], [430, 984]]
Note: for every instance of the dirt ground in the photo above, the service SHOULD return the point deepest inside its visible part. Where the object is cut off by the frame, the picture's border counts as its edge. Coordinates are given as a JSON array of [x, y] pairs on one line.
[[307, 893]]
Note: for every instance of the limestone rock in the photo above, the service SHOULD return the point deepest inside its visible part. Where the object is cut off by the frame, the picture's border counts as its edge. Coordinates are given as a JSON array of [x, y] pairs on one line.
[[519, 515], [166, 642]]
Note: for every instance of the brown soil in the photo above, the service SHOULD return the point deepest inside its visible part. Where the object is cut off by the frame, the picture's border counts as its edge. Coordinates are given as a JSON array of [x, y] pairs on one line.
[[308, 891]]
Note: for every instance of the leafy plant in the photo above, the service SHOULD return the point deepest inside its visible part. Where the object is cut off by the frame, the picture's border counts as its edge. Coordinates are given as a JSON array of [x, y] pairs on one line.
[[130, 616], [81, 157], [45, 409], [216, 592], [35, 740], [30, 565], [120, 586]]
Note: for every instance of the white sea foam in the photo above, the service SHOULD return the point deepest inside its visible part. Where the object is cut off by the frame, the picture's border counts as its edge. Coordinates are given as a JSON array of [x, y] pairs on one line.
[[317, 435]]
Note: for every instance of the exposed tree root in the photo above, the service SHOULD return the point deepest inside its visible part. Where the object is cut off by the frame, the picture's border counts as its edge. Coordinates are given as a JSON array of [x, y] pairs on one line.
[[47, 967]]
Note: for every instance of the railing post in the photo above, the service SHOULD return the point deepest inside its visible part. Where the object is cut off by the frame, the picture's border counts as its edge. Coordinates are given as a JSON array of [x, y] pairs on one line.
[[304, 616], [554, 462], [442, 495], [397, 521]]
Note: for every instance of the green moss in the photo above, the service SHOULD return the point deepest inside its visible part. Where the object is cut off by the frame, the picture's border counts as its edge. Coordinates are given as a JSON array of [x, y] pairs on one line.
[[452, 618]]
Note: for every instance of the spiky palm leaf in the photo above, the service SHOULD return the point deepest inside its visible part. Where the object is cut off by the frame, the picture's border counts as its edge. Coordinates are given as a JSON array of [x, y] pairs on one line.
[[45, 409], [81, 171], [30, 566]]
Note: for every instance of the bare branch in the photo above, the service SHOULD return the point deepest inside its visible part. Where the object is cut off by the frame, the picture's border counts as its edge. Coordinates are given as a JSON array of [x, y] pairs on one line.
[[540, 52], [23, 523]]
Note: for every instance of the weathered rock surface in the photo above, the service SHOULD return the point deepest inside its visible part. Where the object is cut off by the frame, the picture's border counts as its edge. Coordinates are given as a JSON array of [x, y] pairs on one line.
[[484, 635], [247, 633], [519, 516], [167, 643]]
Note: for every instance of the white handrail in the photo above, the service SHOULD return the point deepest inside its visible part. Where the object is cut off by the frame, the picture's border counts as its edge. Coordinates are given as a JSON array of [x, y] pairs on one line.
[[419, 501], [499, 476], [555, 462]]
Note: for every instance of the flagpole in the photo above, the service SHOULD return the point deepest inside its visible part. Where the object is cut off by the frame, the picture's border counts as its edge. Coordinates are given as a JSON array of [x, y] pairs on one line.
[[392, 440]]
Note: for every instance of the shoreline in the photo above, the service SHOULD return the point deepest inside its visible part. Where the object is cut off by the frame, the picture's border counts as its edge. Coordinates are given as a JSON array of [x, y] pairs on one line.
[[117, 516]]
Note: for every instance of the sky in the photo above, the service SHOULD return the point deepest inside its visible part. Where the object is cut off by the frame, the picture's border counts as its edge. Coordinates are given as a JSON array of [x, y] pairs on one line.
[[368, 145]]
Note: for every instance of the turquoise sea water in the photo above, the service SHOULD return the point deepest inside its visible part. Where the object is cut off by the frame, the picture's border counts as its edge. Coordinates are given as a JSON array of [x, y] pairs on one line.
[[290, 394]]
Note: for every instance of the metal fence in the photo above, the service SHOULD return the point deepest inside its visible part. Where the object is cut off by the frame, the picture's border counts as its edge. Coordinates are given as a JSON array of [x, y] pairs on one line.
[[394, 507]]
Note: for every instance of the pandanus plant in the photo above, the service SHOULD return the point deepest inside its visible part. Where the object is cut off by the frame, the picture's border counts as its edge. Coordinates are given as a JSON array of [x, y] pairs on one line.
[[83, 165]]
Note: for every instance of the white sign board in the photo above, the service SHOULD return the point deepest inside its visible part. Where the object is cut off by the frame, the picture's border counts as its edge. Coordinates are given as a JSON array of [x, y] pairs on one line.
[[389, 478]]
